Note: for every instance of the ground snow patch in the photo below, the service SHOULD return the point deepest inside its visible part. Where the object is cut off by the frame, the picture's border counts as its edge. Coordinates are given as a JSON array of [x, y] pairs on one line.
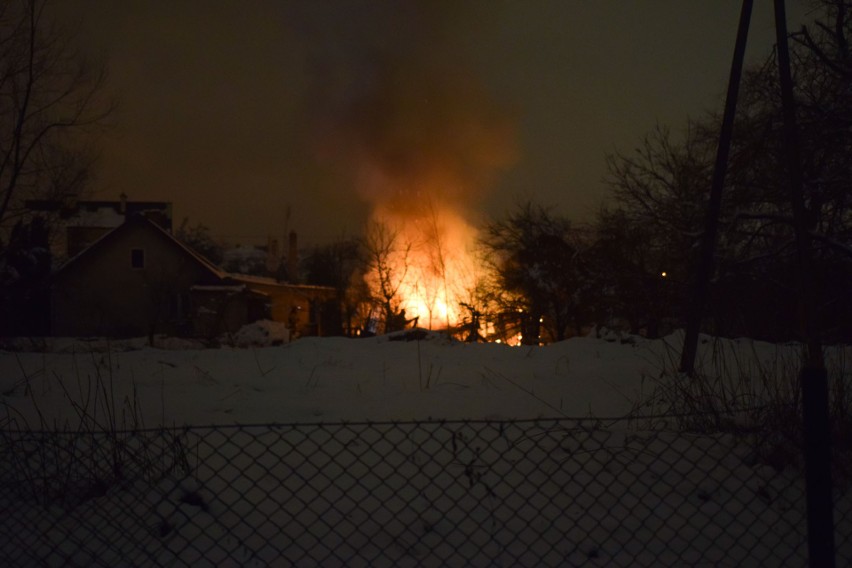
[[262, 333]]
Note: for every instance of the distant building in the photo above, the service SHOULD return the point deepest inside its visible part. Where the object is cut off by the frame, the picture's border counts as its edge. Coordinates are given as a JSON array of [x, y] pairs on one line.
[[265, 260], [245, 259]]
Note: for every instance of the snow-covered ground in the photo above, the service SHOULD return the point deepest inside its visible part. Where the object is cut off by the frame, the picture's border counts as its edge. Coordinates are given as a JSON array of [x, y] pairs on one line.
[[333, 379], [385, 489]]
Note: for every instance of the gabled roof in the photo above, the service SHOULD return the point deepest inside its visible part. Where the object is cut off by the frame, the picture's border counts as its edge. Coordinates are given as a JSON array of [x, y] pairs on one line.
[[142, 221], [226, 278]]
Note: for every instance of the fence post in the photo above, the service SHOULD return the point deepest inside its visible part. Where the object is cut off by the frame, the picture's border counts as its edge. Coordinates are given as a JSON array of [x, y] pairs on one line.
[[817, 450]]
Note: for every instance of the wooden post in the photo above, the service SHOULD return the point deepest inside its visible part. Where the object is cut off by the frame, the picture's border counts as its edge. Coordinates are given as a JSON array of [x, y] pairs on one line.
[[813, 376], [704, 269], [817, 450]]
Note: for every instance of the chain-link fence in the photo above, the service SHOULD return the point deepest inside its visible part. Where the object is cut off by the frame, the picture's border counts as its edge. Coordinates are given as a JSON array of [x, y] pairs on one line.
[[498, 493]]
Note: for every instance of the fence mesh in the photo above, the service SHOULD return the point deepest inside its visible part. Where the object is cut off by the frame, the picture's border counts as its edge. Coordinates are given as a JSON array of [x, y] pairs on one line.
[[501, 493]]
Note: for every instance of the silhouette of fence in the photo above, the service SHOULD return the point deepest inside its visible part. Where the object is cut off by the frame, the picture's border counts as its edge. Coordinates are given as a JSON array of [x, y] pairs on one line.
[[492, 493]]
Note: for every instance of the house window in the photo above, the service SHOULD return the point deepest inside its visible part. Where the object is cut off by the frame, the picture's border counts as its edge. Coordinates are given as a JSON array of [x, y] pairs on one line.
[[137, 258]]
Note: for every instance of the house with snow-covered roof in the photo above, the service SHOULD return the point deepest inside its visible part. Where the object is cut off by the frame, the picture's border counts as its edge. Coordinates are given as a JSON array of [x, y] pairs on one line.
[[139, 280]]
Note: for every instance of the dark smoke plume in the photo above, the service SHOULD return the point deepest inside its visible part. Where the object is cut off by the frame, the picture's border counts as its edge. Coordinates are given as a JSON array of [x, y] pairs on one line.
[[397, 107]]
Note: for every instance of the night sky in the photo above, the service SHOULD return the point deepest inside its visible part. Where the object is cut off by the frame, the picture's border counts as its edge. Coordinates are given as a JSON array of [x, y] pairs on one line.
[[257, 117]]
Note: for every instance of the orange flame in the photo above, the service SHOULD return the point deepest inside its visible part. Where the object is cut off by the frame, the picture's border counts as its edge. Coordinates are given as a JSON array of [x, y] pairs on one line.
[[432, 264]]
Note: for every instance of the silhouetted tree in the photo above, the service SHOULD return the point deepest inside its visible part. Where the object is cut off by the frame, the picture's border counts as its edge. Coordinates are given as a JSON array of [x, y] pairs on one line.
[[339, 265], [541, 272], [662, 187], [25, 265], [757, 261], [638, 285], [387, 261], [654, 223], [50, 98], [198, 238]]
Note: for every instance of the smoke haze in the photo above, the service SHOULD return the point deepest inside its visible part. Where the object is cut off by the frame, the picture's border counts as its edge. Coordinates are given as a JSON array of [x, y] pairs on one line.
[[403, 117]]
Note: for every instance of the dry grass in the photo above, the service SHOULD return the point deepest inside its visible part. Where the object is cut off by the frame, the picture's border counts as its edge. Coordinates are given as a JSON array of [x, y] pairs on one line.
[[753, 390], [104, 445]]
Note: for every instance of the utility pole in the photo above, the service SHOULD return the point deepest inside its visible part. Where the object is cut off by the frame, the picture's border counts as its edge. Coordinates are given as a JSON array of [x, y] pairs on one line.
[[704, 269]]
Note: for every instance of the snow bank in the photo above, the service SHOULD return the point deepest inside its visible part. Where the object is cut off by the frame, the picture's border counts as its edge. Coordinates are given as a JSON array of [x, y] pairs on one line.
[[260, 334]]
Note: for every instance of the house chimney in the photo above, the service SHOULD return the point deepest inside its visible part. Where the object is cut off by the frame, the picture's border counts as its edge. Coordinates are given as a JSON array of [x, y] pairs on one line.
[[293, 258]]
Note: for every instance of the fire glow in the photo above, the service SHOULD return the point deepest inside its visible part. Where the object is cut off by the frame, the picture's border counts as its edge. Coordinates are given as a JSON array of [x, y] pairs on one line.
[[422, 142], [431, 265]]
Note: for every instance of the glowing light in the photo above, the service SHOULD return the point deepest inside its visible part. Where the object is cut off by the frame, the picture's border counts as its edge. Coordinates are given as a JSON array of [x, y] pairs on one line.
[[663, 274], [431, 264]]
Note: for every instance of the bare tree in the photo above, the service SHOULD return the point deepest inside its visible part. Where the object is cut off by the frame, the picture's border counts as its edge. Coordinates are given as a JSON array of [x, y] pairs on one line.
[[660, 195], [388, 264], [198, 238], [340, 265], [539, 262], [654, 226], [437, 262], [50, 99]]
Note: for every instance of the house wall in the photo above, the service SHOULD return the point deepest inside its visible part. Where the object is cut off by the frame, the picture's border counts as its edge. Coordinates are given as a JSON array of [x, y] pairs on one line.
[[225, 310], [282, 300], [295, 305], [100, 293]]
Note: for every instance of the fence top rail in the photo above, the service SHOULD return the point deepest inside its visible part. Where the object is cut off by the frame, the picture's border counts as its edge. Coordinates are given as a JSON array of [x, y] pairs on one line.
[[596, 421]]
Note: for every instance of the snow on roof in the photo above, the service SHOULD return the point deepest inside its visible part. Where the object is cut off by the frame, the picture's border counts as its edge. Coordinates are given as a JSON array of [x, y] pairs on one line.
[[102, 217], [266, 281], [251, 279], [220, 288]]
